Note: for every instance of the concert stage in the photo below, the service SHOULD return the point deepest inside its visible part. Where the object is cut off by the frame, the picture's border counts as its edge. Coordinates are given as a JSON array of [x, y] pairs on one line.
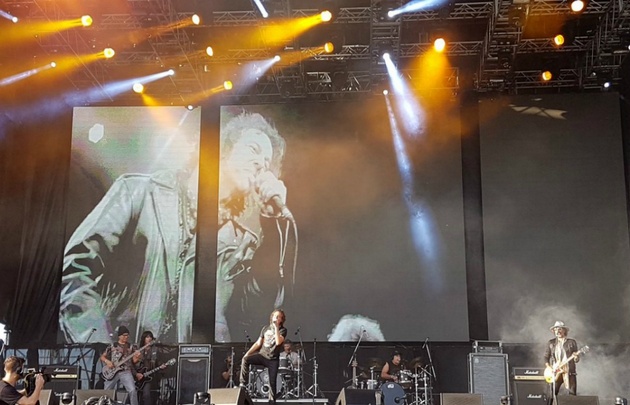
[[294, 401]]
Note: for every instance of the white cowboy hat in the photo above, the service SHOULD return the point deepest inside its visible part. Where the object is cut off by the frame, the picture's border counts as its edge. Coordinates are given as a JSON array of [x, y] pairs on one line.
[[559, 324]]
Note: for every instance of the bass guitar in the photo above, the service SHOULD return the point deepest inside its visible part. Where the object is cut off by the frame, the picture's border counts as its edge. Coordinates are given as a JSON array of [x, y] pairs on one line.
[[551, 373], [109, 373], [146, 375]]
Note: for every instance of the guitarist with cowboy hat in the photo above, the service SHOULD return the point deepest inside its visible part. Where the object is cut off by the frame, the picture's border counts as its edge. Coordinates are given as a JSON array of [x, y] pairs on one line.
[[559, 351]]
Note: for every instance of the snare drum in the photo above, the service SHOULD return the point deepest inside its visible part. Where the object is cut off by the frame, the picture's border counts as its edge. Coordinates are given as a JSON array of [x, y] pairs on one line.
[[405, 379], [393, 394]]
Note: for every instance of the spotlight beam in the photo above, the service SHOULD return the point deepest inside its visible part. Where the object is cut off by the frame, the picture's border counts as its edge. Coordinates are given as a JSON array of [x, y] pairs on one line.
[[406, 102], [415, 5], [261, 8], [24, 75]]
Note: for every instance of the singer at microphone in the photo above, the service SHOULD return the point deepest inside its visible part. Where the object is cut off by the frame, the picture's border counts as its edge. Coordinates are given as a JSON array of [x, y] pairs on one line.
[[273, 193]]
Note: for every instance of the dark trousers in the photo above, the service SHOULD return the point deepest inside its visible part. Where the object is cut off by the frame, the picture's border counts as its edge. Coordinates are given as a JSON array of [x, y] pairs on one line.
[[570, 385], [260, 360]]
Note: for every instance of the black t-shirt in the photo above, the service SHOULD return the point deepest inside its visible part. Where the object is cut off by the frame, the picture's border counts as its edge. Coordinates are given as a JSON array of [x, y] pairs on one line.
[[270, 349], [8, 394]]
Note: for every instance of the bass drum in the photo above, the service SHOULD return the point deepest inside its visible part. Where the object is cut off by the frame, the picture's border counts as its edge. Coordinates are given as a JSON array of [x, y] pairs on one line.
[[262, 383], [393, 394]]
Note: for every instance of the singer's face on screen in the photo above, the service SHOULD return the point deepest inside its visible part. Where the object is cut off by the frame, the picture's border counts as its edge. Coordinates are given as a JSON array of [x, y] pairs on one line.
[[250, 155]]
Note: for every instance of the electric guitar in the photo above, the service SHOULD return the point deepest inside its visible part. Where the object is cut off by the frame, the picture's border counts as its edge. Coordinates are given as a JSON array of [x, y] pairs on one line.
[[551, 373], [146, 374], [109, 373]]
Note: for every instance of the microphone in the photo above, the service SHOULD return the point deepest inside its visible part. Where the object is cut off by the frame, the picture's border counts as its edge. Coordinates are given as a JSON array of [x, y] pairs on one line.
[[93, 330], [280, 207], [247, 336], [297, 331], [425, 343]]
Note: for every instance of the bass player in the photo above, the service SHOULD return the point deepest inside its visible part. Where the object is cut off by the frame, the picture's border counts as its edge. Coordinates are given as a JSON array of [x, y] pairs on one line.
[[563, 351], [114, 359]]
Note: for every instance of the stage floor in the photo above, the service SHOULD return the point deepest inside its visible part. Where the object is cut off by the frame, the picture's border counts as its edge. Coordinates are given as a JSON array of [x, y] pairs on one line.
[[294, 401]]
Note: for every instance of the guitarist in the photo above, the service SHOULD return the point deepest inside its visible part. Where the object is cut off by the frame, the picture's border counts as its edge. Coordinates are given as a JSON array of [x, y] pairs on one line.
[[559, 349], [111, 358], [146, 360]]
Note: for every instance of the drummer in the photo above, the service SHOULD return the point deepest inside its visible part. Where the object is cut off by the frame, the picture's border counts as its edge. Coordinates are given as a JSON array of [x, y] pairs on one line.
[[391, 369], [288, 358]]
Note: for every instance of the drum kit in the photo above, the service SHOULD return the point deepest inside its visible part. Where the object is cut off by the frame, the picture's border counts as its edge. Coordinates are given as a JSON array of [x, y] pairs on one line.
[[412, 387], [288, 382]]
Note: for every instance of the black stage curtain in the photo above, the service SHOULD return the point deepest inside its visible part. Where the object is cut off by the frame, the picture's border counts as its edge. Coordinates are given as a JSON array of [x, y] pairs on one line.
[[34, 160]]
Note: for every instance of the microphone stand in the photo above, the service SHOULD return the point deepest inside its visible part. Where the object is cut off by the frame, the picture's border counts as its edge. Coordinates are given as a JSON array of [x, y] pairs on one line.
[[300, 365], [82, 357], [353, 358]]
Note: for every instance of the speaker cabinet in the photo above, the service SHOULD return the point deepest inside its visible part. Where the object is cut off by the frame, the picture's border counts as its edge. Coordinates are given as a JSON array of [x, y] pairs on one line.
[[578, 400], [350, 396], [80, 396], [531, 392], [488, 375], [193, 372], [229, 396], [461, 399]]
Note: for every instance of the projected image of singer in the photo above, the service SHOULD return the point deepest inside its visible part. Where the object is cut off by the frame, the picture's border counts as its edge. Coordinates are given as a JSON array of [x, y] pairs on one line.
[[249, 191]]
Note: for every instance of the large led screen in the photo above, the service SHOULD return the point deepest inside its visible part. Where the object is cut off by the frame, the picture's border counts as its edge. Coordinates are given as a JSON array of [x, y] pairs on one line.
[[131, 223], [333, 212], [555, 217]]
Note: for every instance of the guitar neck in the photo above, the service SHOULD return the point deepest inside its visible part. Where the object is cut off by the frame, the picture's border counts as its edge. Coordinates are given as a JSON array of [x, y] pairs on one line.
[[130, 356]]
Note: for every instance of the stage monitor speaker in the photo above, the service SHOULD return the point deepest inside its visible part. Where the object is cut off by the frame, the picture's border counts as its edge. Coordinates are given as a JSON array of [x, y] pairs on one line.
[[46, 397], [80, 396], [461, 399], [578, 400], [229, 396], [531, 392], [350, 396], [488, 375], [193, 372]]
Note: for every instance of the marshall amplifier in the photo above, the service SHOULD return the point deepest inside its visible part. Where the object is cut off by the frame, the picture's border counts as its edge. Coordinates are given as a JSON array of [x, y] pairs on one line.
[[531, 392], [529, 373], [62, 379]]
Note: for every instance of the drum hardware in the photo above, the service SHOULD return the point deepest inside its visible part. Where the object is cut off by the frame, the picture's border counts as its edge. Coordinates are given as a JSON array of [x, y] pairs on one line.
[[314, 390], [230, 383]]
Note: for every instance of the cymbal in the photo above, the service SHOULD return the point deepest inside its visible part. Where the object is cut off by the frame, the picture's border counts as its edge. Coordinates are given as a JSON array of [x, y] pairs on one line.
[[415, 363], [375, 362]]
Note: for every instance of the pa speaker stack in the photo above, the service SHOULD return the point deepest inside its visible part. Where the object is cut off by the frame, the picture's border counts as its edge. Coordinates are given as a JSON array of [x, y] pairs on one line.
[[193, 373]]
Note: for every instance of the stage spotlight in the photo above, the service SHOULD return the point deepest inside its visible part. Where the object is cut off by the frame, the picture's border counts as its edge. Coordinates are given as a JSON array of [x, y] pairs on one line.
[[577, 6], [261, 8], [276, 58], [108, 53], [196, 19], [86, 21], [439, 44], [190, 107], [329, 47], [385, 92], [138, 88], [209, 51], [171, 72], [53, 64], [227, 85], [326, 15], [546, 75], [621, 401], [558, 40], [386, 55], [8, 16], [67, 398]]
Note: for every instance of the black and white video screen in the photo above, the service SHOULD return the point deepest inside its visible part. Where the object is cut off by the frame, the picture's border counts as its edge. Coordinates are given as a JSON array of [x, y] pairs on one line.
[[131, 223], [370, 239], [555, 217]]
